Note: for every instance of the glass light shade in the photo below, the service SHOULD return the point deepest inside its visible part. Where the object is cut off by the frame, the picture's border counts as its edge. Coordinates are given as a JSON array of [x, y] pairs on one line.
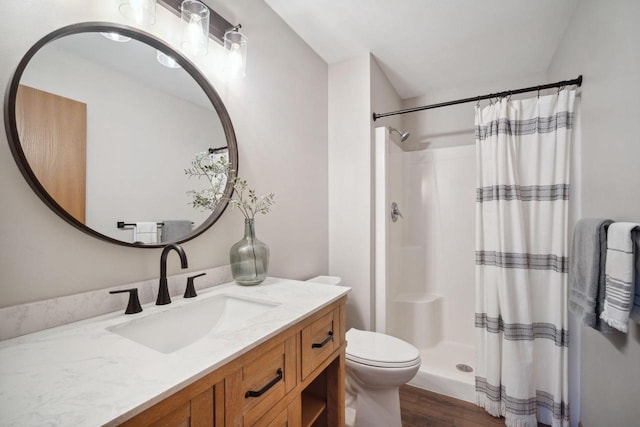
[[235, 44], [142, 12], [195, 28], [166, 60], [116, 37]]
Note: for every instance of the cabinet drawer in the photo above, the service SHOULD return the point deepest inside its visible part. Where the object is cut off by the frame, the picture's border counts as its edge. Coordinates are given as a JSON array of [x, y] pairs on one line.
[[319, 340], [266, 379]]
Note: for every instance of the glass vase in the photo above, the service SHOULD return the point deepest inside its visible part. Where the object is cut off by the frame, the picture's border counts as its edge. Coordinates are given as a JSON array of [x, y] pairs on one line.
[[249, 257]]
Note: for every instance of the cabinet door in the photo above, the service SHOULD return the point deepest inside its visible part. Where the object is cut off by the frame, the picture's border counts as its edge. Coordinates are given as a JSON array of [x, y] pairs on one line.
[[281, 420], [203, 409], [179, 411], [287, 417]]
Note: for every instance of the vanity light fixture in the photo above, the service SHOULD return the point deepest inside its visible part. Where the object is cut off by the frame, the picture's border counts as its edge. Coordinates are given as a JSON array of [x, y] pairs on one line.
[[195, 28], [235, 45], [142, 12], [228, 35], [166, 60]]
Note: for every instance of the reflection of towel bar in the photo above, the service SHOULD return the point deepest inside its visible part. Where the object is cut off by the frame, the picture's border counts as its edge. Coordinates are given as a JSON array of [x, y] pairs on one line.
[[122, 224], [218, 150]]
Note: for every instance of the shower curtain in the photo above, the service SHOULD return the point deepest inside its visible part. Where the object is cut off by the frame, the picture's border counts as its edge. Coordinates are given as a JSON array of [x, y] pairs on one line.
[[522, 202]]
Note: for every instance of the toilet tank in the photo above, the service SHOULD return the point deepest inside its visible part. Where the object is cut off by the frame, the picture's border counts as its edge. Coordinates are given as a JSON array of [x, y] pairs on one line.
[[327, 280], [351, 315]]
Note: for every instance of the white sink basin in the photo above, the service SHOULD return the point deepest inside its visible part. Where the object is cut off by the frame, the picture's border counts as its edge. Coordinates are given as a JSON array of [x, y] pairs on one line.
[[175, 328]]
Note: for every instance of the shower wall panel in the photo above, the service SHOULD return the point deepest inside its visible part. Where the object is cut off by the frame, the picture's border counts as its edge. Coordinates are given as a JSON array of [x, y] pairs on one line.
[[431, 254]]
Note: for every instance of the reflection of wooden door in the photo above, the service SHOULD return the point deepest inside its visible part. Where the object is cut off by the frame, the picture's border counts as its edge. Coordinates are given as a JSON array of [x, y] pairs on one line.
[[53, 134]]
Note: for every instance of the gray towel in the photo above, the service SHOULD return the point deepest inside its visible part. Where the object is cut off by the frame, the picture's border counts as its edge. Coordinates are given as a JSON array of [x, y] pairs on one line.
[[587, 272], [174, 230]]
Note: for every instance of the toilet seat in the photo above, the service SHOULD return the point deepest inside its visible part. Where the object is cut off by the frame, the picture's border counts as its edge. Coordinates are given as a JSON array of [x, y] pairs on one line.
[[380, 350]]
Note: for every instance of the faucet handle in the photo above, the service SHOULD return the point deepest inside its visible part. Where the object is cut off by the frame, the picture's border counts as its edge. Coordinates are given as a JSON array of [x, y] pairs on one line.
[[190, 292], [134, 302]]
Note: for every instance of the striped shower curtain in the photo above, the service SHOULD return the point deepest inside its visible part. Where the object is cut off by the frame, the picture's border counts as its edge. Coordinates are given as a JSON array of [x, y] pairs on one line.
[[522, 202]]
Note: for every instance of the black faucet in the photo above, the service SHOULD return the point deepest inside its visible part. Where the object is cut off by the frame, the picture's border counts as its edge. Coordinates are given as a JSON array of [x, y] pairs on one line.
[[163, 289]]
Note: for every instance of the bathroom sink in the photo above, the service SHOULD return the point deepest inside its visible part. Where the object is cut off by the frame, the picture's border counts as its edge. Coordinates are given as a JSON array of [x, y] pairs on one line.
[[175, 328]]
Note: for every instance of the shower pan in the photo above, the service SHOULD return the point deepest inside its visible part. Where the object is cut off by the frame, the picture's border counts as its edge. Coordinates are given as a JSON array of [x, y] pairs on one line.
[[424, 263]]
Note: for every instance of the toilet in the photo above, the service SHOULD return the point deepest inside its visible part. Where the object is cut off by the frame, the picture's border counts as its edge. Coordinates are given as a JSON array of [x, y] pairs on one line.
[[376, 366]]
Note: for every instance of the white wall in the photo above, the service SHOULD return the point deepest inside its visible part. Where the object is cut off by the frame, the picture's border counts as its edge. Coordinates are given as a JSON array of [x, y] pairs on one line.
[[453, 126], [279, 112], [357, 87], [350, 184], [601, 43]]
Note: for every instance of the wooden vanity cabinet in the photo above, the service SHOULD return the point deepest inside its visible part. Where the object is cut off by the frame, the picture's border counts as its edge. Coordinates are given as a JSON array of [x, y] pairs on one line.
[[295, 379]]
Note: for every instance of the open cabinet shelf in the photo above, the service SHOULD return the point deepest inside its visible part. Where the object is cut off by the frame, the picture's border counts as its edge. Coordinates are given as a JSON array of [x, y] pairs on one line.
[[312, 408]]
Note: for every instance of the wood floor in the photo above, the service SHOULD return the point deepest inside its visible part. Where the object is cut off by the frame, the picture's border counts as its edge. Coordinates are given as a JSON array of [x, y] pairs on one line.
[[421, 408]]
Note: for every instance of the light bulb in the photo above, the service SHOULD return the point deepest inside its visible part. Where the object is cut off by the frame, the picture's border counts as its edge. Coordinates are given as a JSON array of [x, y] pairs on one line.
[[195, 28], [194, 34], [142, 12], [235, 60], [235, 44], [137, 9]]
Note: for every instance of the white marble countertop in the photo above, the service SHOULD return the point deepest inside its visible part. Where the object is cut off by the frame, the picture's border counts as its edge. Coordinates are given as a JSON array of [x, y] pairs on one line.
[[81, 374]]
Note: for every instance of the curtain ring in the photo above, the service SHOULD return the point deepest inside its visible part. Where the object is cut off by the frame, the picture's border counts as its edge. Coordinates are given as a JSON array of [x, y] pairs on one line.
[[478, 103], [538, 92]]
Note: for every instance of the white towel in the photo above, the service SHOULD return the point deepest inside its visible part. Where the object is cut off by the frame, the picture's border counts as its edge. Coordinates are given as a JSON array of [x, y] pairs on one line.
[[619, 271], [145, 232]]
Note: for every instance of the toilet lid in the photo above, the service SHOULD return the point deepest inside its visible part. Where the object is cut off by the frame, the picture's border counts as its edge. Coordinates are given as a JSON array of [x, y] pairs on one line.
[[376, 349]]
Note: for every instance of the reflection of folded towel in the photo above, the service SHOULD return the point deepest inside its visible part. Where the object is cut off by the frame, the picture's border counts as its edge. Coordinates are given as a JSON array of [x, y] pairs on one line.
[[635, 310], [174, 230], [619, 270], [145, 232], [586, 272]]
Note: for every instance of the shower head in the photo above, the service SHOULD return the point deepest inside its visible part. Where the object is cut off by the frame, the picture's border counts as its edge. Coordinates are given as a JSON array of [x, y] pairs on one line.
[[403, 136]]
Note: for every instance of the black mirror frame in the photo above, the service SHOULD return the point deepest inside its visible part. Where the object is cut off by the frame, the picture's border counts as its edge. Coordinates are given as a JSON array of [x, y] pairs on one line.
[[188, 66]]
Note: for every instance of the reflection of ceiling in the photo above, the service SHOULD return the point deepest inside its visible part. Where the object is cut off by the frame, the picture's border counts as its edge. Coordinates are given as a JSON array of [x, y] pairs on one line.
[[138, 61], [424, 45]]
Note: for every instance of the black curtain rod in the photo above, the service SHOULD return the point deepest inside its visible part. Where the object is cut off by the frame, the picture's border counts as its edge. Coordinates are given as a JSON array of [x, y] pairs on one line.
[[577, 82]]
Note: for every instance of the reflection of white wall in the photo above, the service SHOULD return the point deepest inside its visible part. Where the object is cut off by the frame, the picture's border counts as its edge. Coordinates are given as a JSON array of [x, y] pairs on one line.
[[139, 141]]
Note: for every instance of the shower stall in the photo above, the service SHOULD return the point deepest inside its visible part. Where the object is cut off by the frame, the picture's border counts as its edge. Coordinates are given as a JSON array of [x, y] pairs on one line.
[[425, 258]]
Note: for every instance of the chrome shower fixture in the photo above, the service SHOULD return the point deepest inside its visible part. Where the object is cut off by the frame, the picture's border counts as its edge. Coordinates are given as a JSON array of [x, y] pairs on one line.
[[403, 136]]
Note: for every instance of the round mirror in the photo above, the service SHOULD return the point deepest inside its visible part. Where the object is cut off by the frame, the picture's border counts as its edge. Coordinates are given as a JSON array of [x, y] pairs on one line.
[[120, 135]]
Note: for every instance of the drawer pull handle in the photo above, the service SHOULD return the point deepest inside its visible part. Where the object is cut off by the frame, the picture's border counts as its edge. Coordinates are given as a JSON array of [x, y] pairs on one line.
[[326, 340], [264, 389]]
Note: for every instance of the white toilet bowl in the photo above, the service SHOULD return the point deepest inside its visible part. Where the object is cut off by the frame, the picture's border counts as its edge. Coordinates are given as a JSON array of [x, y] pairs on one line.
[[377, 365]]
